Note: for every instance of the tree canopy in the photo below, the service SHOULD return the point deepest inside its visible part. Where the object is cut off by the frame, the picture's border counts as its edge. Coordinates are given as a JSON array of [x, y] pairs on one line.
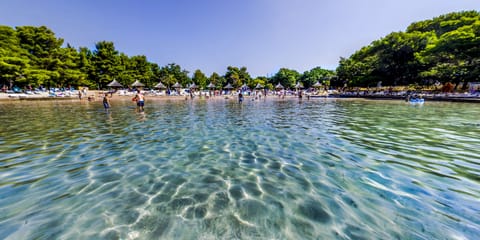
[[443, 49]]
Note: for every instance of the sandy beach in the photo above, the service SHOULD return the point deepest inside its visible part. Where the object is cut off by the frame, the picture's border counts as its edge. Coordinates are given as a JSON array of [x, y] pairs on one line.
[[96, 95]]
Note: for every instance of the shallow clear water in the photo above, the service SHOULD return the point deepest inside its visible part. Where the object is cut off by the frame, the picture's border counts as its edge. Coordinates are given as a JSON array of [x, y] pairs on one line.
[[216, 169]]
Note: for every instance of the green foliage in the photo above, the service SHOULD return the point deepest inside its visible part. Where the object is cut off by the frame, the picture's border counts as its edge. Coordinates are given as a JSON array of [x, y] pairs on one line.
[[237, 76], [287, 77], [258, 80], [316, 74], [200, 79], [34, 56], [217, 80], [173, 73], [446, 48]]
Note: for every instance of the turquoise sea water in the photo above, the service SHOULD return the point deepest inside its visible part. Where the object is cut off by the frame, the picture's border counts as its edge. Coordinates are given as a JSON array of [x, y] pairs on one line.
[[217, 169]]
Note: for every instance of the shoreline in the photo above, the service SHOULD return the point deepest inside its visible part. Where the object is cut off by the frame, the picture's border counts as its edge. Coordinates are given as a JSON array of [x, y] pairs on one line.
[[451, 98], [98, 95]]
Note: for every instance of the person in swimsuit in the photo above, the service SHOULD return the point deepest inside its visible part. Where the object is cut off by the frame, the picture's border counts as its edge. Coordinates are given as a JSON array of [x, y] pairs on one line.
[[140, 98]]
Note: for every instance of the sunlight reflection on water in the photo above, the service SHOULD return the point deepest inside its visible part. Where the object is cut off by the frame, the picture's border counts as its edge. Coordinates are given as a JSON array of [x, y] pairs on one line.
[[276, 169]]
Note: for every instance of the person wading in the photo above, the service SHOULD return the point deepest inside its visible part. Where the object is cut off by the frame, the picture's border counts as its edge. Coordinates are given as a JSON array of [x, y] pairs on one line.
[[140, 99]]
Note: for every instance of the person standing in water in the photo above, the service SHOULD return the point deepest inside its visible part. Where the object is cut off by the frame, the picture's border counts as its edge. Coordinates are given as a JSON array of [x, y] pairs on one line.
[[106, 102], [140, 99]]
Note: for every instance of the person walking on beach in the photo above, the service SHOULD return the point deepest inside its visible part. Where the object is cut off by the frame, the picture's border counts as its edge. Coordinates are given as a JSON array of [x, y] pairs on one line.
[[106, 102], [140, 99]]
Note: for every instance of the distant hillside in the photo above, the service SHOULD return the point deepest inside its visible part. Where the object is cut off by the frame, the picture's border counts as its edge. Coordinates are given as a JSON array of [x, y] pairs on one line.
[[443, 49]]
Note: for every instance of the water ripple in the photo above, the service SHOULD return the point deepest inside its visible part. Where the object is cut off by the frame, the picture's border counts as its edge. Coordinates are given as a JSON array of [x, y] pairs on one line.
[[275, 169]]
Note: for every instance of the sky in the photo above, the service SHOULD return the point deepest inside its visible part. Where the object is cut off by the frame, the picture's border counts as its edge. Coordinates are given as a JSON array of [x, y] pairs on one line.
[[210, 35]]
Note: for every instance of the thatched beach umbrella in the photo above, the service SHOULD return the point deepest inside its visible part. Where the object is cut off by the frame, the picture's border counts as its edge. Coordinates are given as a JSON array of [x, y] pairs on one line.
[[279, 86], [211, 85], [138, 84], [299, 85], [317, 85], [114, 84], [228, 87], [177, 85], [193, 86], [160, 86], [259, 86]]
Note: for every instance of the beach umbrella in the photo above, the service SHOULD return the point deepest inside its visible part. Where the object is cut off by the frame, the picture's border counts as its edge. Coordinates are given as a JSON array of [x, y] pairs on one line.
[[244, 87], [114, 83], [193, 86], [160, 86], [279, 86], [317, 85], [228, 86], [177, 85], [259, 86], [137, 84], [211, 85], [299, 85]]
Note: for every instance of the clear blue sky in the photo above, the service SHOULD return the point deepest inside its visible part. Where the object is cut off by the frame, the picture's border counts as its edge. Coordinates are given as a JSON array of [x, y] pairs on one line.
[[262, 35]]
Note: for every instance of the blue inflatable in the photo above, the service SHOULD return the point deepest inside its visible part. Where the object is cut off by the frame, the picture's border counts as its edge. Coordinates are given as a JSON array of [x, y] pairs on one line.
[[416, 100]]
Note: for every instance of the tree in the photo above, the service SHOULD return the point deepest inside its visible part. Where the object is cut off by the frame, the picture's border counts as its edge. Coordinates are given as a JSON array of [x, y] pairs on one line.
[[140, 69], [445, 48], [43, 51], [317, 74], [258, 80], [172, 73], [106, 63], [287, 77], [85, 65], [200, 79], [13, 59], [68, 71], [237, 76], [217, 80]]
